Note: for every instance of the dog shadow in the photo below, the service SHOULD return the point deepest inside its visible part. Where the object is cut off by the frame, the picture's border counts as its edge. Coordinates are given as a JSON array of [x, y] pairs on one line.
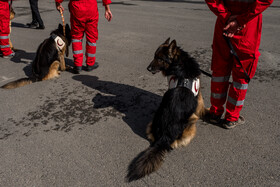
[[136, 105], [27, 58]]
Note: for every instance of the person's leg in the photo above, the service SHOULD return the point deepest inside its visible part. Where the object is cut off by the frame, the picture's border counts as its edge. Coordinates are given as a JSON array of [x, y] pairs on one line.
[[77, 33], [247, 51], [5, 29], [91, 37], [36, 13], [221, 70]]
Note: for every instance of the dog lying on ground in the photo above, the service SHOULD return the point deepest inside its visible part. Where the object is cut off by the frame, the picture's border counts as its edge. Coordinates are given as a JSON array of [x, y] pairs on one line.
[[174, 123], [49, 58]]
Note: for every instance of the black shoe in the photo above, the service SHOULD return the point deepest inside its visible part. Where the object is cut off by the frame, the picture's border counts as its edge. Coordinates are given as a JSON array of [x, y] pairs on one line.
[[94, 66], [42, 27], [32, 25], [77, 69]]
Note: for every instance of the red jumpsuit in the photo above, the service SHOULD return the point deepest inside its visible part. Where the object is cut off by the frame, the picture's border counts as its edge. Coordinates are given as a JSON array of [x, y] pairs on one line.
[[246, 44], [5, 28], [84, 19]]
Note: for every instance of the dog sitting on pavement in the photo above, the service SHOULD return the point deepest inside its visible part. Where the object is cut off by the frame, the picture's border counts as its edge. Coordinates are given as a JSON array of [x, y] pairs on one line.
[[174, 123], [49, 58]]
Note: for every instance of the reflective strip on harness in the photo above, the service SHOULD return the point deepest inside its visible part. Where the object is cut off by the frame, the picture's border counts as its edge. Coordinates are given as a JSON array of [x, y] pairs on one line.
[[192, 84]]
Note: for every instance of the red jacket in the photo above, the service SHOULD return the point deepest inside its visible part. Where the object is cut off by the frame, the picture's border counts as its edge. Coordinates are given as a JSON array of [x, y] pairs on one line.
[[105, 2], [245, 9]]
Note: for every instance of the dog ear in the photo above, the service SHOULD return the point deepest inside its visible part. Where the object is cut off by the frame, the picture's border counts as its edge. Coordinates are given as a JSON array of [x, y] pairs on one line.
[[67, 27], [167, 41], [172, 49], [60, 27]]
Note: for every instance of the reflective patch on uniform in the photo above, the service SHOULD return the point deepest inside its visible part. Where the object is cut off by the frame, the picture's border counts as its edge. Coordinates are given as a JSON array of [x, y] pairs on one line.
[[90, 55], [75, 40], [91, 44], [242, 1], [218, 96], [4, 37], [78, 52], [240, 86], [234, 102], [4, 46], [220, 79]]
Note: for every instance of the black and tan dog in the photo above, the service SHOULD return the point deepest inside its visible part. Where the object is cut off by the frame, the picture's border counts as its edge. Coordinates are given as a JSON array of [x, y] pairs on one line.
[[174, 123], [49, 58]]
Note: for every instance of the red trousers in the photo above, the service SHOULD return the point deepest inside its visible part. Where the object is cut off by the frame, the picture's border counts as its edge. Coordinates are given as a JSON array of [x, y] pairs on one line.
[[4, 28], [246, 44], [84, 20]]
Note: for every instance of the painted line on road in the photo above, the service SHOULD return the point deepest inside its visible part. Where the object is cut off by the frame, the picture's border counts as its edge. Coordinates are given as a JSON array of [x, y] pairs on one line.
[[3, 78]]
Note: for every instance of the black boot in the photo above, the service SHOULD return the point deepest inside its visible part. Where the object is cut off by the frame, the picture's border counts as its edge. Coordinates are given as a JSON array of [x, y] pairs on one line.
[[77, 69], [94, 66]]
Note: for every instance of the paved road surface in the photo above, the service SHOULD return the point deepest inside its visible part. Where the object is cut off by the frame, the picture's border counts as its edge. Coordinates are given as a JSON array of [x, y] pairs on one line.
[[83, 130]]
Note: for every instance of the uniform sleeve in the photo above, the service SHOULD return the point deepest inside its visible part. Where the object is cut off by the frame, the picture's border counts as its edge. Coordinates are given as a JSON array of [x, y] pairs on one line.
[[106, 2], [58, 1], [218, 8], [257, 8]]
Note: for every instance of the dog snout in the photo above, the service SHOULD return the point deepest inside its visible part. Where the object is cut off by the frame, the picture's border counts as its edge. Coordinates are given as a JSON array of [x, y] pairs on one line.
[[149, 68]]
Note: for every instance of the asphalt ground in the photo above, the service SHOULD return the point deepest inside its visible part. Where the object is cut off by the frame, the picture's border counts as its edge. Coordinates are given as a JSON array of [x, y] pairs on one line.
[[83, 130]]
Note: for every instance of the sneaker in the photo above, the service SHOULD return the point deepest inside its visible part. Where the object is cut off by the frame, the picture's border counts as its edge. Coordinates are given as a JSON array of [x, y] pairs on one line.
[[215, 119], [94, 66], [232, 124], [77, 69], [10, 55]]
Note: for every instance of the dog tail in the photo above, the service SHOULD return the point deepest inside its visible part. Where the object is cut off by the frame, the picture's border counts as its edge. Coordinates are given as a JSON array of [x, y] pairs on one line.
[[148, 161], [19, 83]]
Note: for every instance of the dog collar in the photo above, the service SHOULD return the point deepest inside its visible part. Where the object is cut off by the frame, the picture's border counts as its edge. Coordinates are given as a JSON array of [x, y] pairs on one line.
[[192, 84], [58, 42]]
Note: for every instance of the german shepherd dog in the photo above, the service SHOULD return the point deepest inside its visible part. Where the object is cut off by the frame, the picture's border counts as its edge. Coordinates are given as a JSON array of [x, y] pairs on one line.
[[49, 58], [174, 123]]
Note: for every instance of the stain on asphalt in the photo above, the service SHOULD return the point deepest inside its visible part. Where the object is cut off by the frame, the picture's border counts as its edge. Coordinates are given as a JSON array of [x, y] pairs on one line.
[[85, 105]]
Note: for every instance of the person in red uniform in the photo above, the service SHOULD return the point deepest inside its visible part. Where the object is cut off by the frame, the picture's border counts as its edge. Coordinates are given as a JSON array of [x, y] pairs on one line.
[[241, 21], [5, 29], [84, 20]]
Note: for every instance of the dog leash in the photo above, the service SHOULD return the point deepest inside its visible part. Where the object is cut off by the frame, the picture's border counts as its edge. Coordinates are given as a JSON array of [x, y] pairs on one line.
[[63, 21], [232, 51]]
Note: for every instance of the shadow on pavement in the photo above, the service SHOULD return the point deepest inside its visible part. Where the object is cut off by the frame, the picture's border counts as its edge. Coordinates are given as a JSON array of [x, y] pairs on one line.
[[137, 105]]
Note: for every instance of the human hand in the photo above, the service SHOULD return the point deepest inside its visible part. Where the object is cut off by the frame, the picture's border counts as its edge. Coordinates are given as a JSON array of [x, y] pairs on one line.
[[231, 28], [59, 7], [108, 13]]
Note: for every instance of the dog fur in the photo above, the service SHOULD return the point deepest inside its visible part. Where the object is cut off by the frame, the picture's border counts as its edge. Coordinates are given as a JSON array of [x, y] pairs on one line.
[[174, 123], [48, 60]]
